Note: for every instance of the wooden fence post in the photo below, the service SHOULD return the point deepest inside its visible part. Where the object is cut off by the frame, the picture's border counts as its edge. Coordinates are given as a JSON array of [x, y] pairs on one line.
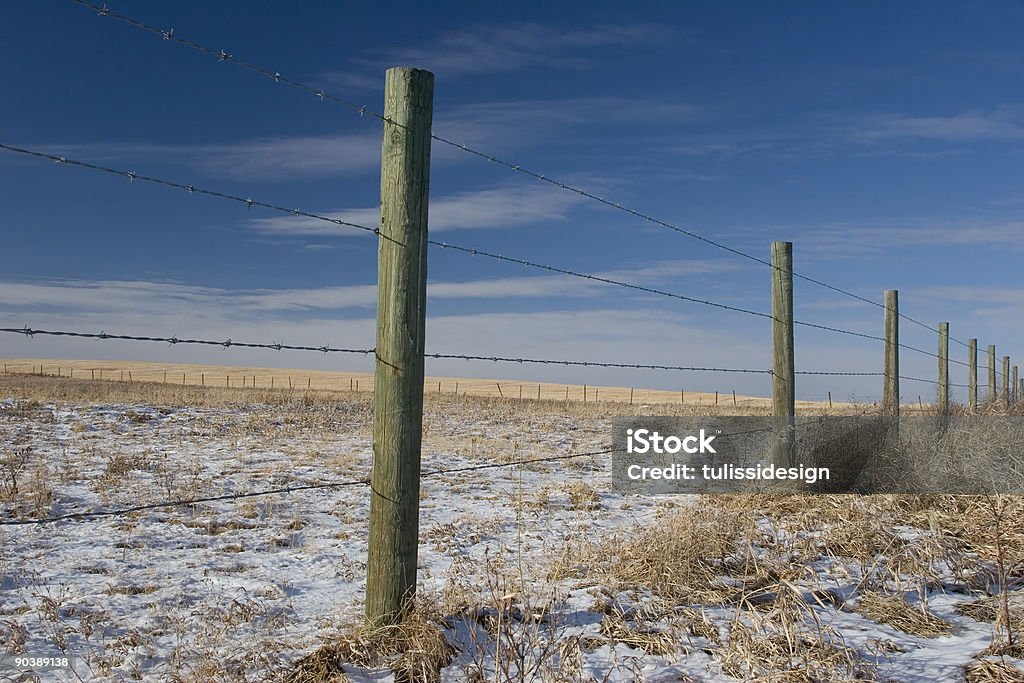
[[1013, 386], [943, 368], [783, 362], [891, 389], [991, 374], [1006, 381], [401, 324], [972, 375]]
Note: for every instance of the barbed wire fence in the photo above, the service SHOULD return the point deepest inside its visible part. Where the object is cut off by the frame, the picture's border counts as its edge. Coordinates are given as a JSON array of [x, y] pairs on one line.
[[785, 320]]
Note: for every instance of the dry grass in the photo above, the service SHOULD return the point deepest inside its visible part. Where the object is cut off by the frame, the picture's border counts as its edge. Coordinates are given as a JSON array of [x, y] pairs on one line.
[[898, 613], [993, 671], [416, 650], [748, 556]]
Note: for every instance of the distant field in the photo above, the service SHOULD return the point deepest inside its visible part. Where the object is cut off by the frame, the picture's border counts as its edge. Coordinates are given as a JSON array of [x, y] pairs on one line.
[[322, 380]]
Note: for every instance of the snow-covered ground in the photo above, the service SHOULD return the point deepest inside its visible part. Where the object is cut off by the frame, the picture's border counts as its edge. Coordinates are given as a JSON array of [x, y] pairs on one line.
[[241, 589]]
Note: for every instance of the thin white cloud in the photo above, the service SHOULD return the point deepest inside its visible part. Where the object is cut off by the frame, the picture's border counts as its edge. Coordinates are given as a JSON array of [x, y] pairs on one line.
[[489, 49], [158, 300], [499, 207], [493, 127], [257, 158], [1003, 123], [843, 241]]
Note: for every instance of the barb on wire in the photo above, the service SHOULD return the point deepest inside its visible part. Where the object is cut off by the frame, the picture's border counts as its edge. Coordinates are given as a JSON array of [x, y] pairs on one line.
[[228, 343], [222, 55]]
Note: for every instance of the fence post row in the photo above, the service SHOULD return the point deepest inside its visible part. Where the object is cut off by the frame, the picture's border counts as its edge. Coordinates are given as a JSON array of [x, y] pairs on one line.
[[401, 322], [891, 389], [783, 367], [943, 368]]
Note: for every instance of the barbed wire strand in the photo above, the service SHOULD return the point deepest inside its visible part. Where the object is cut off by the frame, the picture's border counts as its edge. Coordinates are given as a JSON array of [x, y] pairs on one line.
[[282, 490], [132, 176], [31, 332], [249, 202], [594, 364], [227, 343], [276, 76]]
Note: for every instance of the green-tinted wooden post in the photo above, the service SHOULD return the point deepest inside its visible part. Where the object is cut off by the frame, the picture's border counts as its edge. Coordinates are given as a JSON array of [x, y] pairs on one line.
[[943, 368], [1013, 387], [401, 321], [1006, 382], [891, 389], [972, 375], [992, 373], [783, 365]]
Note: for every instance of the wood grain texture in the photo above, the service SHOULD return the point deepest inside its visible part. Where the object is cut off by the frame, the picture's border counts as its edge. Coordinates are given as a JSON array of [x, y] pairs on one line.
[[401, 322], [891, 389], [783, 363], [944, 368]]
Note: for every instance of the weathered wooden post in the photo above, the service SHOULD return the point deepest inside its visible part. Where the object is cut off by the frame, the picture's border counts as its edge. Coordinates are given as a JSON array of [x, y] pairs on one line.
[[1013, 387], [783, 365], [943, 368], [992, 373], [972, 375], [1006, 382], [401, 322], [891, 389]]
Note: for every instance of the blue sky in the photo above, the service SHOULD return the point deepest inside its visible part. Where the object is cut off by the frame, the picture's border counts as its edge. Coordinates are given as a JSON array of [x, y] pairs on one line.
[[883, 139]]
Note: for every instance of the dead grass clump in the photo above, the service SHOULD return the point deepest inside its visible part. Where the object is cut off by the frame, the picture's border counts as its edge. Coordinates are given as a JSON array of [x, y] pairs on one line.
[[682, 557], [416, 650], [582, 496], [653, 641], [845, 525], [993, 609], [788, 645], [898, 613], [131, 590], [30, 410], [993, 671]]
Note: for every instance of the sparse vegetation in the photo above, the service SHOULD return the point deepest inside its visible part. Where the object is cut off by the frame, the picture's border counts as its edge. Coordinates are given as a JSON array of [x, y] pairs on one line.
[[537, 572]]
